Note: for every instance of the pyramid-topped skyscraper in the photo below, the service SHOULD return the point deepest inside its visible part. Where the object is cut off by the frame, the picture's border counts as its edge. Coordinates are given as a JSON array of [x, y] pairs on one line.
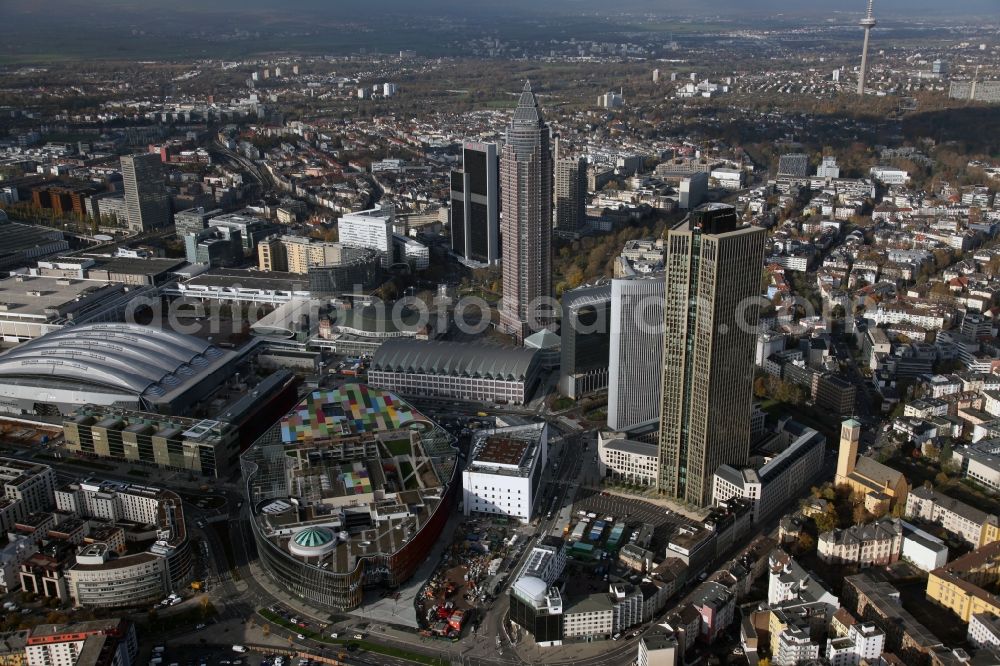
[[526, 227]]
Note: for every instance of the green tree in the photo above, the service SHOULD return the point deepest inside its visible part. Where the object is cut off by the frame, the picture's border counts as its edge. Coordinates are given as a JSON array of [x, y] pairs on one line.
[[826, 521]]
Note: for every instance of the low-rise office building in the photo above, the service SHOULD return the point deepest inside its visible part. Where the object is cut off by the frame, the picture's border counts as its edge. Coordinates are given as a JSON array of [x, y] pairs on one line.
[[984, 631], [789, 583], [864, 642], [878, 602], [779, 480], [658, 647], [24, 243], [105, 577], [980, 461], [99, 579], [537, 607], [30, 483], [243, 287], [204, 446], [791, 640], [589, 617], [627, 460]]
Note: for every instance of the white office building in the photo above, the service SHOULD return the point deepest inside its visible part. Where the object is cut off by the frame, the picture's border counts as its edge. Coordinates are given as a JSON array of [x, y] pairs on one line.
[[504, 471], [864, 643], [369, 228], [658, 647], [924, 551], [692, 190], [781, 479], [984, 630], [890, 175], [110, 501], [546, 560], [636, 352], [828, 168], [626, 459]]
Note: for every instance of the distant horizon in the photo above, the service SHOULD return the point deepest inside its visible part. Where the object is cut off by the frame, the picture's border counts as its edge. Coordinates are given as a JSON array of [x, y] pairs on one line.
[[144, 29], [342, 9]]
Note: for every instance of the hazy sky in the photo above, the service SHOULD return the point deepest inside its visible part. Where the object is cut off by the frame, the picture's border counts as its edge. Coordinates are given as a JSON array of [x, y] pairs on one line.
[[988, 9], [61, 29]]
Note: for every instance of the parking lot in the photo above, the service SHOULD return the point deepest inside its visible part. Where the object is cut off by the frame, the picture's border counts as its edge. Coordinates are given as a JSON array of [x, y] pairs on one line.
[[632, 511]]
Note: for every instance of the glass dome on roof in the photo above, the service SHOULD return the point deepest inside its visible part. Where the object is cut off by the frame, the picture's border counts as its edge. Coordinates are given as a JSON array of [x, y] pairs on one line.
[[314, 537]]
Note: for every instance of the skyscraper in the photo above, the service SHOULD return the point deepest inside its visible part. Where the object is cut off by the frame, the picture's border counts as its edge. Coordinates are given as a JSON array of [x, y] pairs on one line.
[[635, 364], [146, 198], [713, 271], [526, 193], [868, 22], [584, 340], [475, 205], [571, 194]]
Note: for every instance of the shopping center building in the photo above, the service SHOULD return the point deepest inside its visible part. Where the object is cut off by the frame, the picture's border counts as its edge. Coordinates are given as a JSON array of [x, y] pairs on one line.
[[349, 490]]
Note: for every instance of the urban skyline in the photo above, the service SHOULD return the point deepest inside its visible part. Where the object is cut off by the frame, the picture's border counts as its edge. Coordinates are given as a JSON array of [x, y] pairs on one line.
[[660, 333]]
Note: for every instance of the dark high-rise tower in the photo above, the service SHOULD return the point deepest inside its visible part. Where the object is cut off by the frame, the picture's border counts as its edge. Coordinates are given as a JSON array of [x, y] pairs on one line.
[[710, 309], [475, 206], [146, 200], [526, 194], [571, 194]]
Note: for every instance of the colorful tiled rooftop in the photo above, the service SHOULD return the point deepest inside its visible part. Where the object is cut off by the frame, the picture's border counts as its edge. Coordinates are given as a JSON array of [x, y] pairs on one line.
[[349, 410]]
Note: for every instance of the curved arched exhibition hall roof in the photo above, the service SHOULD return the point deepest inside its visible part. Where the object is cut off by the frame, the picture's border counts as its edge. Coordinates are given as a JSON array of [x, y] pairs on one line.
[[139, 359]]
